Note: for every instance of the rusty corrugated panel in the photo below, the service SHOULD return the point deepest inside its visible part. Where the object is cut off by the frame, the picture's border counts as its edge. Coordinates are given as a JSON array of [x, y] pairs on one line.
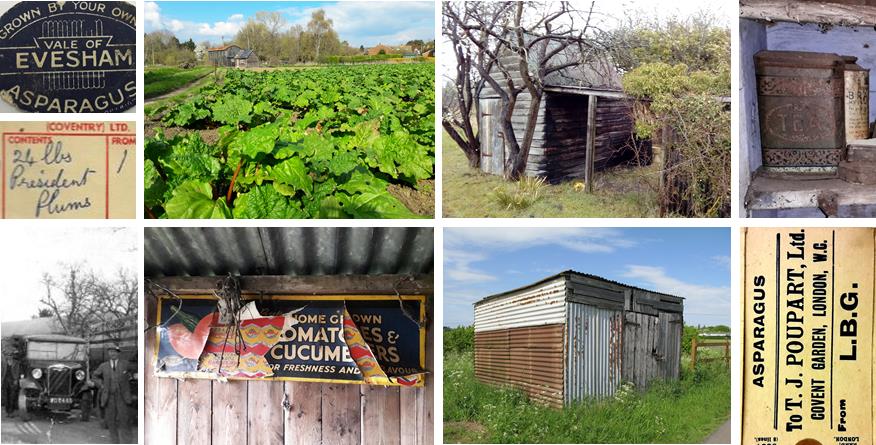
[[533, 306], [594, 352], [527, 358], [800, 102], [209, 251]]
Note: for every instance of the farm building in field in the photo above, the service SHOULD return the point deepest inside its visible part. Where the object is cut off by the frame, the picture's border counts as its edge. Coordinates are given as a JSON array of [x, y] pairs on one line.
[[325, 262], [232, 56], [574, 336], [246, 59], [387, 49], [558, 150]]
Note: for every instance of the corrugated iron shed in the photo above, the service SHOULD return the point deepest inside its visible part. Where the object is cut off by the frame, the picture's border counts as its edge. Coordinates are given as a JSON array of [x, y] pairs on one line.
[[293, 251], [575, 336]]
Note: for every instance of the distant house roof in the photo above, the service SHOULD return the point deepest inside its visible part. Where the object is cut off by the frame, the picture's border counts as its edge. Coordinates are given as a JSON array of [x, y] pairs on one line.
[[36, 326], [244, 54], [221, 48]]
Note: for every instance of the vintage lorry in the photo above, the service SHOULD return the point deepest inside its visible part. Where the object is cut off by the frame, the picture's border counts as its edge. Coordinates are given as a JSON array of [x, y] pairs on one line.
[[52, 370]]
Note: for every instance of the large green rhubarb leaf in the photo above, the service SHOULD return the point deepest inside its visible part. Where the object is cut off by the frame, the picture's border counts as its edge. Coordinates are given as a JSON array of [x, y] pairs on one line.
[[194, 199], [263, 202]]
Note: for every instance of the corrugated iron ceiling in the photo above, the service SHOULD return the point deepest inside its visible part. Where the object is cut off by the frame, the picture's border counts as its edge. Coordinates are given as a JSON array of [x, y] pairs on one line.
[[215, 251]]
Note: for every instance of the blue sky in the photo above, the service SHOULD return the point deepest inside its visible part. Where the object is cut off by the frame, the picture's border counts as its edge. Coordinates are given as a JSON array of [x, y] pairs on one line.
[[360, 23], [689, 262]]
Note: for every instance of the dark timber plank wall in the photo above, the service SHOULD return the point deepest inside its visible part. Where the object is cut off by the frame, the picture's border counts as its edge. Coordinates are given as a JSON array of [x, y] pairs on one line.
[[560, 135], [239, 412], [528, 358]]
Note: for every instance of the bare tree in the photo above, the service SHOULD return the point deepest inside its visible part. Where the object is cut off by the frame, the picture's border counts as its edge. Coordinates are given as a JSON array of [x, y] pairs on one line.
[[80, 299], [457, 107], [517, 48]]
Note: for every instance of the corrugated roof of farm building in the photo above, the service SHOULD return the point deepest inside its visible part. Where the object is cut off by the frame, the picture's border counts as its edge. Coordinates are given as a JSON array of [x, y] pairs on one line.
[[567, 274], [293, 251]]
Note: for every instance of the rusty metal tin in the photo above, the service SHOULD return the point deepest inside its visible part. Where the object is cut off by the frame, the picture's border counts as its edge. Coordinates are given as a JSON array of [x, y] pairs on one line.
[[801, 108], [857, 100]]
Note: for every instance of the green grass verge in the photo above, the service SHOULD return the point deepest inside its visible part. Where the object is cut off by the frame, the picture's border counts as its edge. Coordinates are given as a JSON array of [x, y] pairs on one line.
[[684, 411], [163, 80], [618, 193]]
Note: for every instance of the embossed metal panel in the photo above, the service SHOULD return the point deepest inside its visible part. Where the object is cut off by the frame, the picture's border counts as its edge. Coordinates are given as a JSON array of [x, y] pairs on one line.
[[800, 103]]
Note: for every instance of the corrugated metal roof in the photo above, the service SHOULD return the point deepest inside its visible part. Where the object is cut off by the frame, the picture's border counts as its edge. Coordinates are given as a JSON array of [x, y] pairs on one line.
[[217, 251], [566, 274]]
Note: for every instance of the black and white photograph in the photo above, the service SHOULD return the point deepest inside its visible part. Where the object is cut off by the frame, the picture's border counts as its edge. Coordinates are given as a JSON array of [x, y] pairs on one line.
[[69, 329]]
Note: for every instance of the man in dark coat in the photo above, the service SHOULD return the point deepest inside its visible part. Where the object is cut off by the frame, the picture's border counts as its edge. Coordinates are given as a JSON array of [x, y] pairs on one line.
[[114, 394], [11, 373]]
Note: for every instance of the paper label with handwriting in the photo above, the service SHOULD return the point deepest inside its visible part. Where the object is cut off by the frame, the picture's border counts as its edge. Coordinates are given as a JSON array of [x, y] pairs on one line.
[[68, 169], [808, 325]]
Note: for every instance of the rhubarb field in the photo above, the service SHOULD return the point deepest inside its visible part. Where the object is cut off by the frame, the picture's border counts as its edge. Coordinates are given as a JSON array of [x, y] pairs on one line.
[[311, 143]]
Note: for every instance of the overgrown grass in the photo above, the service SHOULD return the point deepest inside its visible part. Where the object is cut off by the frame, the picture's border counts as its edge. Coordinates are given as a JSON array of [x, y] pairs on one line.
[[620, 192], [685, 411], [163, 80]]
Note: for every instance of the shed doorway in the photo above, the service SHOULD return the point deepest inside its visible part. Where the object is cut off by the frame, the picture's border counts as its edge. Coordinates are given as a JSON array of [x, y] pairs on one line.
[[492, 138]]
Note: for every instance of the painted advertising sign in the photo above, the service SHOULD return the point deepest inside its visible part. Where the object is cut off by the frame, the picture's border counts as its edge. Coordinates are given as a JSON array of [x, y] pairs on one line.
[[346, 339]]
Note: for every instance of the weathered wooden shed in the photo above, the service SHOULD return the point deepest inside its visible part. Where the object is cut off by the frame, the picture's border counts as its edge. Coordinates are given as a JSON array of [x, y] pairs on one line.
[[575, 99], [300, 261], [574, 336], [246, 59]]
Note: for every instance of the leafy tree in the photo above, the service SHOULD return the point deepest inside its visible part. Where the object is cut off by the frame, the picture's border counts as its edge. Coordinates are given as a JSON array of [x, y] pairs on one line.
[[682, 67], [460, 339]]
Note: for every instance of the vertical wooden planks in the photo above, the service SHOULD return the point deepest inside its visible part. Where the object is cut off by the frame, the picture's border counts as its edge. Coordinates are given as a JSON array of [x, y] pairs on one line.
[[380, 415], [411, 416], [150, 382], [265, 412], [161, 423], [195, 406], [426, 428], [304, 416], [341, 414], [166, 417], [591, 143], [229, 411]]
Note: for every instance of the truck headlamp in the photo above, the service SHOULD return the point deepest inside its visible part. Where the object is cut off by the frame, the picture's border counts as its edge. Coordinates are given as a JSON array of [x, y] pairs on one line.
[[80, 374], [36, 373]]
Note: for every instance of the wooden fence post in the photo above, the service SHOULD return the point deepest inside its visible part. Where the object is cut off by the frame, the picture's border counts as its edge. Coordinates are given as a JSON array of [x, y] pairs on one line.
[[693, 353], [590, 149]]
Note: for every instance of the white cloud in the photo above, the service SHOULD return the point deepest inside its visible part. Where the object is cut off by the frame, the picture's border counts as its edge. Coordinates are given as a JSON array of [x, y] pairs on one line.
[[152, 14], [359, 20], [586, 240], [184, 29], [722, 260], [458, 267], [226, 29], [176, 25]]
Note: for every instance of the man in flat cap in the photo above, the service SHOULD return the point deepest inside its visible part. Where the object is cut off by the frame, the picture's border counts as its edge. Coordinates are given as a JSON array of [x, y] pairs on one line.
[[115, 394]]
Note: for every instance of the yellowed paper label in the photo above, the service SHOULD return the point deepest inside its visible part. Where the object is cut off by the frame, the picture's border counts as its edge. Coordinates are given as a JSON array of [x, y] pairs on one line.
[[857, 94], [68, 169], [808, 324]]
